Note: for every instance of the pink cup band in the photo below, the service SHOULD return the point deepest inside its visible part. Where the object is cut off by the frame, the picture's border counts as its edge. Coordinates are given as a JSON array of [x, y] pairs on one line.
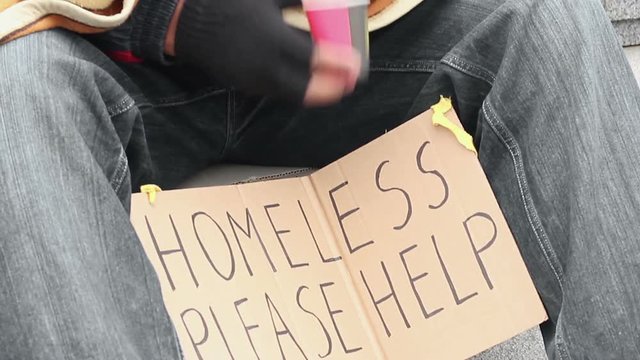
[[330, 25]]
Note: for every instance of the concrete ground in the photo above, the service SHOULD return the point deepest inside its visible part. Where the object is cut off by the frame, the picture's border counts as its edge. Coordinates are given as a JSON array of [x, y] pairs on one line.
[[633, 54]]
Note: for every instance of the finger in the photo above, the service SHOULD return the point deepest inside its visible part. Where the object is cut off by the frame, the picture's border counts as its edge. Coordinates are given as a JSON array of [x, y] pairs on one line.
[[354, 74], [325, 88], [338, 57]]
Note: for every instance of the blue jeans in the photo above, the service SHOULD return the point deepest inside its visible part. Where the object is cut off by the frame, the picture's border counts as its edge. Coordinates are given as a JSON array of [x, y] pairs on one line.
[[542, 85]]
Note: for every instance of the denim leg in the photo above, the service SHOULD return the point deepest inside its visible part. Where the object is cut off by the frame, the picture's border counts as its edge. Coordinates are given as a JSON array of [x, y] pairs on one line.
[[185, 119], [75, 281], [559, 139]]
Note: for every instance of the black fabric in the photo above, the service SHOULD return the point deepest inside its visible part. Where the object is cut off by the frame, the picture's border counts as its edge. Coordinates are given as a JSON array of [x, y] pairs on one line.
[[287, 3], [143, 34], [150, 22], [245, 44]]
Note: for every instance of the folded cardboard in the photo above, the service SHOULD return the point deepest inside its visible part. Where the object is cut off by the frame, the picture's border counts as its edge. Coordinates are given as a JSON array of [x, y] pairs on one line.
[[397, 251]]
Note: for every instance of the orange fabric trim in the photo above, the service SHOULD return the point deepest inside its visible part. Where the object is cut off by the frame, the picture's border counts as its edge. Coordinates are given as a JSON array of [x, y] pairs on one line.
[[377, 6], [58, 21], [52, 22], [114, 8]]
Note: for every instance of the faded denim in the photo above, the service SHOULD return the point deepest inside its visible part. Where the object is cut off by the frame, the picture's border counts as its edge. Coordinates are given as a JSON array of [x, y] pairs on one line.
[[542, 85]]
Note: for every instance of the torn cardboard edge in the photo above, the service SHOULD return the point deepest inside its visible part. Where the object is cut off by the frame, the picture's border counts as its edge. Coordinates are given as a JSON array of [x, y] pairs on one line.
[[387, 253]]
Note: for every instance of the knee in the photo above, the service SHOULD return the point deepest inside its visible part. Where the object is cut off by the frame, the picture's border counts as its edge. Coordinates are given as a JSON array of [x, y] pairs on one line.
[[55, 85], [36, 60], [57, 70], [55, 64], [565, 16], [37, 76]]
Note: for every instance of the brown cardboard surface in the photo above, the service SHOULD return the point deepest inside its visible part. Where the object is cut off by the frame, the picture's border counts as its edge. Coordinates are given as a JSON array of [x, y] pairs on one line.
[[396, 251]]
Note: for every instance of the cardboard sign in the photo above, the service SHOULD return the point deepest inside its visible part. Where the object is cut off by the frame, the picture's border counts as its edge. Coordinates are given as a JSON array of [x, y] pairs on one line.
[[397, 251]]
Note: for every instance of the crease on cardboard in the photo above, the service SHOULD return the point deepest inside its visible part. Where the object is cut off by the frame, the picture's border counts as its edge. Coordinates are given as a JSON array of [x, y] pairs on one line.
[[245, 205], [453, 203], [456, 205], [332, 238], [463, 210], [276, 281], [440, 118]]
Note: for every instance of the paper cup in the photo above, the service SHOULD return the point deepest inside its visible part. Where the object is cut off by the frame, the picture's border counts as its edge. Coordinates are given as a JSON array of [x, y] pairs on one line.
[[342, 22]]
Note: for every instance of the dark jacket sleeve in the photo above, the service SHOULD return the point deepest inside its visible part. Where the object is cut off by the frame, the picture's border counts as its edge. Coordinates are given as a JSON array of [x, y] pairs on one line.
[[149, 25], [243, 44], [142, 36]]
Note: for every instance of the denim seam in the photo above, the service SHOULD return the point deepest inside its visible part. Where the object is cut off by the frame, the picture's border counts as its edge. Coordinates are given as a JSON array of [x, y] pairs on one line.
[[231, 118], [404, 66], [400, 70], [186, 99], [561, 346], [506, 137], [182, 99], [508, 140], [120, 172], [469, 68], [120, 107], [124, 105]]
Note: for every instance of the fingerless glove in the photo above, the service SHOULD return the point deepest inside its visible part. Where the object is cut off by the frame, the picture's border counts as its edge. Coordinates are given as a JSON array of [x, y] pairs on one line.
[[245, 44]]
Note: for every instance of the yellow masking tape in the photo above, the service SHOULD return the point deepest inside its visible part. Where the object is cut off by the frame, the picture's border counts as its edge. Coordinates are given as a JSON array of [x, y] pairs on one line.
[[151, 191], [440, 119]]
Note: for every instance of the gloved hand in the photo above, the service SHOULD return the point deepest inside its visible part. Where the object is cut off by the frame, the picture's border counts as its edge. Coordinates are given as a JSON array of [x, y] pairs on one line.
[[245, 44]]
